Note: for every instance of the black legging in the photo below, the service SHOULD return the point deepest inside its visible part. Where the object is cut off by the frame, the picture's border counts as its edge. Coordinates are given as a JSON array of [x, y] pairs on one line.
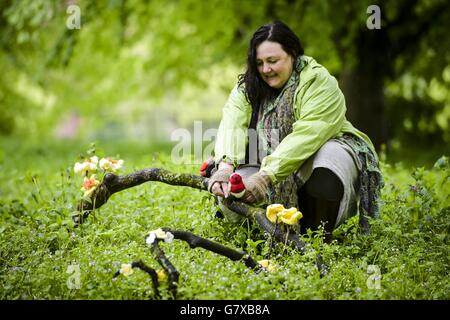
[[319, 200]]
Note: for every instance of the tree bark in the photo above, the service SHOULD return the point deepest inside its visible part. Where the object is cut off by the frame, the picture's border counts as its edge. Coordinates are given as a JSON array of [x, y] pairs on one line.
[[362, 82]]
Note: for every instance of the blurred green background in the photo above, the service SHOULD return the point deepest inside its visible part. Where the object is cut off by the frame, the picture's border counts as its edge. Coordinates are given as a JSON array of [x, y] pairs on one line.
[[137, 70]]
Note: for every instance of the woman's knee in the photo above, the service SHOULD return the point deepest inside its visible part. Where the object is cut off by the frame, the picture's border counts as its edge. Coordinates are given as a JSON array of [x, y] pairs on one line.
[[324, 184]]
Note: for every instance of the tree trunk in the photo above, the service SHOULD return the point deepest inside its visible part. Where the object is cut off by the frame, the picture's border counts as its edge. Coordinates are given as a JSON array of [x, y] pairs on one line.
[[363, 85]]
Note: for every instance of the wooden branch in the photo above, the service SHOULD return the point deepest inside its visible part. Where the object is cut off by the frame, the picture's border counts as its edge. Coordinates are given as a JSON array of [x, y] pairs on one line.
[[113, 183], [259, 215], [172, 273], [150, 271], [321, 266], [195, 241], [293, 239]]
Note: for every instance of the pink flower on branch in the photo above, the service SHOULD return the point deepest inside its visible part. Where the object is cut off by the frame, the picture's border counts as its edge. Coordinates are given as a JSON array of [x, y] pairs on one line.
[[89, 185]]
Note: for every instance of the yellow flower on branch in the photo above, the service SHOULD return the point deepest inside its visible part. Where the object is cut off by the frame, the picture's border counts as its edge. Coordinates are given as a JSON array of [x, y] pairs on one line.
[[159, 234], [126, 269], [273, 210], [290, 216], [162, 275], [268, 265]]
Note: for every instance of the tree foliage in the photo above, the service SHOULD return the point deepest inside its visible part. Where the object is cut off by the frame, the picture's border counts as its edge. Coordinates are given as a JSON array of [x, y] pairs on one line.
[[132, 56]]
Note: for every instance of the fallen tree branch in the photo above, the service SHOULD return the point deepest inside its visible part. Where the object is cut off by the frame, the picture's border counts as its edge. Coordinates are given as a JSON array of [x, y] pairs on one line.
[[259, 215], [195, 241], [173, 274], [150, 271], [113, 183]]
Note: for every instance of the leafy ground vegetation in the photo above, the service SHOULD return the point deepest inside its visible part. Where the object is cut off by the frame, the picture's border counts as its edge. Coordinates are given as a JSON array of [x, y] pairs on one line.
[[406, 255]]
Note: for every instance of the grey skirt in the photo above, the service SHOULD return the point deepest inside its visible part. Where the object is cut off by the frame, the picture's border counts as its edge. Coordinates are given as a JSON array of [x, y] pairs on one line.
[[333, 155]]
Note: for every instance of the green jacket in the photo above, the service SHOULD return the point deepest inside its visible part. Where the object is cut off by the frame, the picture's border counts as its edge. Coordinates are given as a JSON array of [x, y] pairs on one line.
[[319, 108]]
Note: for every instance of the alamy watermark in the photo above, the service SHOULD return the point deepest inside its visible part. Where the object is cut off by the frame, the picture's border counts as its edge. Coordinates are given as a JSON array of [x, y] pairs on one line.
[[74, 280], [374, 279], [193, 148], [73, 21], [374, 20]]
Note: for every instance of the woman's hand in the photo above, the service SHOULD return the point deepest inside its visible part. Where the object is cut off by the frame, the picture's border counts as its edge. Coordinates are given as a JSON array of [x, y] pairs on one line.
[[256, 187], [218, 183]]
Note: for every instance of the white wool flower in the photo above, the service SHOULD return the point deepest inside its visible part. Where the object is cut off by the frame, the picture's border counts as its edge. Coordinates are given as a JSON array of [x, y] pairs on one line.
[[93, 159], [126, 269], [110, 165], [78, 168], [86, 167], [159, 234], [169, 237], [150, 239]]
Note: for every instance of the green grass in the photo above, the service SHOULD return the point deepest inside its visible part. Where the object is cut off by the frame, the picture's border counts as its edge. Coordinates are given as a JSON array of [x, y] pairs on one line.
[[38, 241]]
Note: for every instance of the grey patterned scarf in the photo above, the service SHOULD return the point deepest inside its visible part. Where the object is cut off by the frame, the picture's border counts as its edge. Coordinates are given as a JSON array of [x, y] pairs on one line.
[[275, 121], [370, 180]]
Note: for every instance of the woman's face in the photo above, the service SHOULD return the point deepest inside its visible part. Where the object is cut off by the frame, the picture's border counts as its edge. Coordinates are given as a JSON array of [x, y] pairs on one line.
[[274, 64]]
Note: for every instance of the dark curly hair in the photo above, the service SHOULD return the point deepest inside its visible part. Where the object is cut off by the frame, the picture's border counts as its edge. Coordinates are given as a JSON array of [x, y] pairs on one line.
[[257, 91]]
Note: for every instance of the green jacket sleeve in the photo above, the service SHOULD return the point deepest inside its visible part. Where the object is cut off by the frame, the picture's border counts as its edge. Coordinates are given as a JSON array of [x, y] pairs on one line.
[[320, 113], [232, 134]]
